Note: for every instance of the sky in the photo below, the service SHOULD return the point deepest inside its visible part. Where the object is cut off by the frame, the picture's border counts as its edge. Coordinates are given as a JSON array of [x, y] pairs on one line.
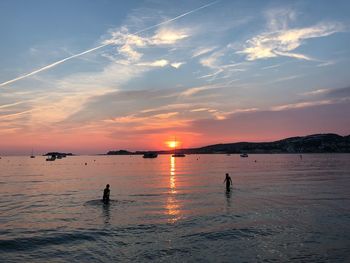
[[89, 76]]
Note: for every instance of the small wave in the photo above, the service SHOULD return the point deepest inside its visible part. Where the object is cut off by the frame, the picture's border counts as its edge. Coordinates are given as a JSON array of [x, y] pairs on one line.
[[328, 199], [26, 182], [29, 243], [229, 234], [157, 254], [99, 202], [146, 195], [16, 195]]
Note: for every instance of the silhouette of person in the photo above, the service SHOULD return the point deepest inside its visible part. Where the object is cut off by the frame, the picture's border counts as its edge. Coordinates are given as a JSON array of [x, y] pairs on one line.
[[106, 193], [228, 182]]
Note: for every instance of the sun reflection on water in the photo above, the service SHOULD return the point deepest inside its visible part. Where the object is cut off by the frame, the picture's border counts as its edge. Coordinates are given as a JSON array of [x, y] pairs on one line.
[[172, 206]]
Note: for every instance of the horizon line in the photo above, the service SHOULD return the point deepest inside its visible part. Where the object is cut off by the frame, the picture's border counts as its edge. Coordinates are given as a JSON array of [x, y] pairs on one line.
[[94, 154]]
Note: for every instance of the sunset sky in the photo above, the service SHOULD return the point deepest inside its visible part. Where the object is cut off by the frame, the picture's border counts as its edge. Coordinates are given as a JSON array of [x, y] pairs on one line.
[[92, 76]]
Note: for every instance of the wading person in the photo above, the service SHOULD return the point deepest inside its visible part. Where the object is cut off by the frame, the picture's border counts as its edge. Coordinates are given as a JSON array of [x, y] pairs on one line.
[[228, 182], [106, 193]]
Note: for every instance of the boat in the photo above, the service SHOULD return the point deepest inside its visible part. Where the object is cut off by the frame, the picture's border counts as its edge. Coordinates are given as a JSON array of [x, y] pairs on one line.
[[177, 154], [32, 155], [243, 155], [51, 158], [150, 155]]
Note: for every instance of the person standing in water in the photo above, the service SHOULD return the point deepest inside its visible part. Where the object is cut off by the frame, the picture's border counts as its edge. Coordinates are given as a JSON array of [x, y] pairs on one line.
[[228, 182], [106, 193]]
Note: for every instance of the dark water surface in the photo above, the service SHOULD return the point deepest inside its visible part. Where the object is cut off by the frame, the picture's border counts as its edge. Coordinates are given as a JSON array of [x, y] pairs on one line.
[[281, 208]]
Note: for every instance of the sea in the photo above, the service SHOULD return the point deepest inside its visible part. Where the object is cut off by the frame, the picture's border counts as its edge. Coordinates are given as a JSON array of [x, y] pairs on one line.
[[281, 208]]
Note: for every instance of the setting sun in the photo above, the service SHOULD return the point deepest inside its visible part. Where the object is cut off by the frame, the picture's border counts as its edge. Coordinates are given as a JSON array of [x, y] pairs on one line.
[[172, 144]]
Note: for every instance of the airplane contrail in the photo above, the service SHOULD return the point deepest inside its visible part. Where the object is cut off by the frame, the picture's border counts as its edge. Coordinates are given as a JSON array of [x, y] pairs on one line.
[[101, 46]]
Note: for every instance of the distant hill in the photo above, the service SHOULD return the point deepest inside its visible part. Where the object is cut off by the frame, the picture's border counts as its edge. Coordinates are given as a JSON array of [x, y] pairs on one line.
[[120, 152], [316, 143]]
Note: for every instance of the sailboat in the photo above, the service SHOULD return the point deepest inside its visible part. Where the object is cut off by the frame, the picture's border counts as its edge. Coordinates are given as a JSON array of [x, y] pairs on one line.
[[177, 154], [32, 155]]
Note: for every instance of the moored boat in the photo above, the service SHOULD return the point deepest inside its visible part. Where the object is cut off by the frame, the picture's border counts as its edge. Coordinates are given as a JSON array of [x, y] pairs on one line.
[[32, 155], [150, 155], [175, 153], [51, 158], [178, 155]]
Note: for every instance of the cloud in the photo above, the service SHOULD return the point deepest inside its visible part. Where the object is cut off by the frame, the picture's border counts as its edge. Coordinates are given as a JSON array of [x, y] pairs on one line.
[[129, 45], [51, 65], [177, 64], [341, 93], [166, 115], [301, 105], [212, 61], [285, 78], [14, 115], [334, 93], [280, 40], [202, 51], [10, 104], [316, 92], [327, 63], [192, 91], [256, 125], [218, 68], [161, 36], [176, 106], [167, 36], [223, 115], [200, 109], [279, 18], [158, 63]]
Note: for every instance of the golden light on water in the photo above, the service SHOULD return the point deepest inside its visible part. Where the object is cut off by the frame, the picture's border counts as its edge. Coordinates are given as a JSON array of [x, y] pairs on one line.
[[172, 206], [172, 175]]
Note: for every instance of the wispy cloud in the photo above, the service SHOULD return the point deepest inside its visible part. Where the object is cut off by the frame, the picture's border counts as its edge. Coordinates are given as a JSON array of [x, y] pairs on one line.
[[327, 63], [177, 64], [211, 75], [285, 78], [164, 36], [316, 92], [166, 115], [167, 36], [200, 109], [158, 63], [51, 65], [202, 51], [280, 40], [212, 61], [301, 105], [14, 115], [10, 104], [192, 91]]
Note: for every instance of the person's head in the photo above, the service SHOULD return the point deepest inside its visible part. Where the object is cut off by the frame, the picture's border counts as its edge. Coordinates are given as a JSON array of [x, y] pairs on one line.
[[107, 186], [227, 175]]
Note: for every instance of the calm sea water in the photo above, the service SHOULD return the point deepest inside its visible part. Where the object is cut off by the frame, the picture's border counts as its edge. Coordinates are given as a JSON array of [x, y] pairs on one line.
[[281, 208]]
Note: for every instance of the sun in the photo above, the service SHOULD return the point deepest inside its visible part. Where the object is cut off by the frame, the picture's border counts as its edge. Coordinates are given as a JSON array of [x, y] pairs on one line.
[[172, 144]]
